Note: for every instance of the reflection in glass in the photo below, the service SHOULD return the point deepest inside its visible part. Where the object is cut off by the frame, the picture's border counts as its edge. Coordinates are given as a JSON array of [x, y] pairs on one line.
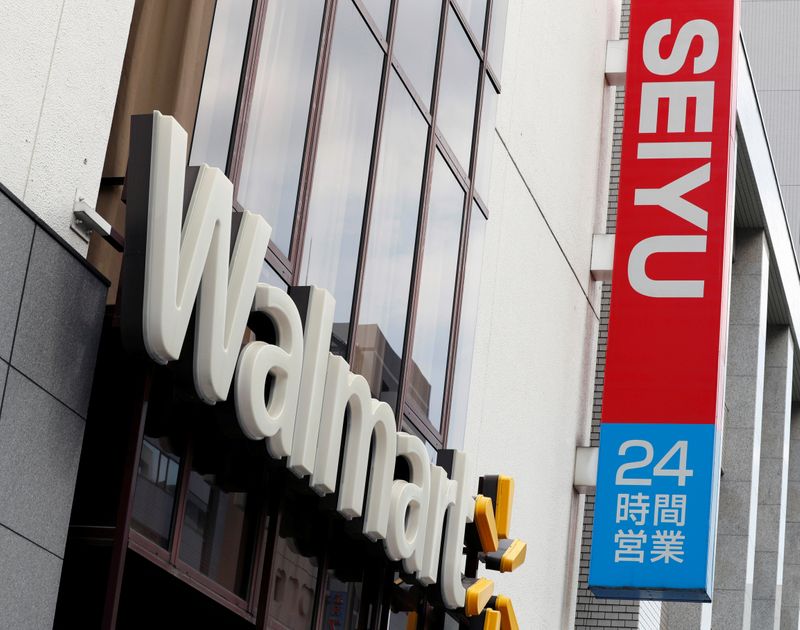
[[342, 603], [458, 91], [449, 623], [436, 290], [402, 620], [379, 10], [483, 163], [276, 125], [475, 12], [466, 329], [293, 586], [269, 276], [156, 488], [407, 427], [390, 249], [336, 207], [415, 38], [212, 130], [219, 531], [497, 36]]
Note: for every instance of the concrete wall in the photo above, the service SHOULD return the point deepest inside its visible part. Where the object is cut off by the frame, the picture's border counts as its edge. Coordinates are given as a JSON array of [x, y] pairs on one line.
[[51, 312], [532, 382], [770, 35], [59, 73]]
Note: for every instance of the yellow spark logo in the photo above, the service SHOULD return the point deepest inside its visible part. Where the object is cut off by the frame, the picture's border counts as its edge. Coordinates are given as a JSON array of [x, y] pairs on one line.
[[488, 541]]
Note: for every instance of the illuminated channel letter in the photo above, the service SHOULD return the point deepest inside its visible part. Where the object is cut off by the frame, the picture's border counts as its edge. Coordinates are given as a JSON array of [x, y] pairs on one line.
[[179, 261], [284, 361], [292, 392], [345, 391], [409, 510]]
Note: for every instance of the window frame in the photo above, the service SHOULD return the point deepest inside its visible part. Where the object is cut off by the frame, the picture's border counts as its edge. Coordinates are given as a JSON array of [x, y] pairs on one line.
[[287, 264], [169, 558]]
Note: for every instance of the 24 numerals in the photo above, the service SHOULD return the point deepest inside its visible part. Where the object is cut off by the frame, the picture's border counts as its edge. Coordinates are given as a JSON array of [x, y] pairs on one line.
[[680, 448]]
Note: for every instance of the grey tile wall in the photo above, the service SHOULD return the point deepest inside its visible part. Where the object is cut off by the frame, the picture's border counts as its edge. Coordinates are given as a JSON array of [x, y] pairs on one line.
[[790, 601], [591, 612], [40, 444], [770, 34], [3, 375], [29, 587], [16, 234], [59, 355], [51, 315]]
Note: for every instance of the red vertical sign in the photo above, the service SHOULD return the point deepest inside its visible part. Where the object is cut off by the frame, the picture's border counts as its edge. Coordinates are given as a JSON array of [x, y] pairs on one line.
[[658, 470], [668, 319]]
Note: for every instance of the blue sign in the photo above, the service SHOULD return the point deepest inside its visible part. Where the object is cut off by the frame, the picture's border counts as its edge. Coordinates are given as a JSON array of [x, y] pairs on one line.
[[654, 520]]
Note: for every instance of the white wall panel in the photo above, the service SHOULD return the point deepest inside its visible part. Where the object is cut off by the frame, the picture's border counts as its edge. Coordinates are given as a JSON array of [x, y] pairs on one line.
[[553, 113], [66, 62], [531, 395], [27, 39]]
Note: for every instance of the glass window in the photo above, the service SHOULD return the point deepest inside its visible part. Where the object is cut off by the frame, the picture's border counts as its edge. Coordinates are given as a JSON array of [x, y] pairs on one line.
[[212, 130], [270, 276], [436, 289], [402, 620], [415, 37], [390, 249], [219, 531], [466, 330], [342, 603], [336, 207], [293, 578], [278, 118], [408, 427], [405, 604], [497, 35], [483, 165], [475, 12], [379, 12], [458, 91], [156, 489]]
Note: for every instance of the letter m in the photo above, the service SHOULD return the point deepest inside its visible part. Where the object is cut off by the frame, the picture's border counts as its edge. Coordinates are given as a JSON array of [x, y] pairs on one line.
[[173, 261]]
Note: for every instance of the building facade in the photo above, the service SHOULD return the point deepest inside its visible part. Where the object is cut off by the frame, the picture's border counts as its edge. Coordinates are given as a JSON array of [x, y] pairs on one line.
[[441, 168]]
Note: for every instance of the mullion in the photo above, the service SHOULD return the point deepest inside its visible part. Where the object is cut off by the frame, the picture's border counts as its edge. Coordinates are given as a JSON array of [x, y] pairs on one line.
[[373, 26], [466, 218], [275, 509], [279, 264], [422, 426], [452, 161], [473, 39], [495, 78], [311, 142], [322, 586], [423, 214], [476, 196], [406, 81], [180, 502], [245, 101], [259, 552], [371, 183]]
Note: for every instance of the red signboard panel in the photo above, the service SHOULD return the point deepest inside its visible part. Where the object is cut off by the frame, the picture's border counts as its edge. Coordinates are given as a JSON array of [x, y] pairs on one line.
[[668, 319]]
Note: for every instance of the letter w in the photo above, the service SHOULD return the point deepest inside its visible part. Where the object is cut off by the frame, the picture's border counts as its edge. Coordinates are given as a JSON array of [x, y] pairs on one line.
[[181, 260]]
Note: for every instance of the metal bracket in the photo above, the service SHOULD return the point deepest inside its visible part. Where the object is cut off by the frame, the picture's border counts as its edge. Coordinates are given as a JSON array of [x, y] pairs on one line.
[[585, 475], [602, 262], [616, 61], [86, 220]]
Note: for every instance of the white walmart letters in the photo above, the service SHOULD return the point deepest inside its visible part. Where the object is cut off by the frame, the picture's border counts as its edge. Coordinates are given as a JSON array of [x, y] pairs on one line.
[[304, 415]]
